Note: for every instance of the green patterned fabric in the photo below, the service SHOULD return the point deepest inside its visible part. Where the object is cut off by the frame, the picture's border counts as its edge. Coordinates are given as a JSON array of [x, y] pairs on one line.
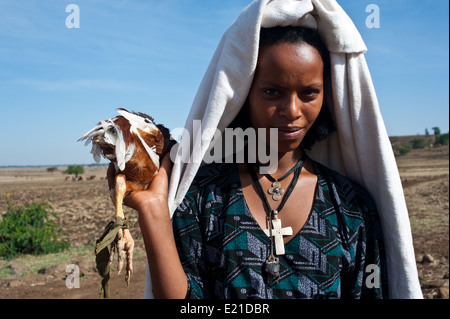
[[339, 253]]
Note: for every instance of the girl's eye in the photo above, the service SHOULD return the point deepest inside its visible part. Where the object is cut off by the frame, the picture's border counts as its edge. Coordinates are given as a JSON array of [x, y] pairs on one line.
[[270, 92], [311, 92]]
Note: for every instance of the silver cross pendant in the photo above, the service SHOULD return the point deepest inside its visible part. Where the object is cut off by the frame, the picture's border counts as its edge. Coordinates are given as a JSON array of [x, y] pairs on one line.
[[277, 232]]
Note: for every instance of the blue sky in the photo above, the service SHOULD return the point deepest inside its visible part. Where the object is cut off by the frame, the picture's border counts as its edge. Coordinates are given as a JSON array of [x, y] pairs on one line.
[[146, 55]]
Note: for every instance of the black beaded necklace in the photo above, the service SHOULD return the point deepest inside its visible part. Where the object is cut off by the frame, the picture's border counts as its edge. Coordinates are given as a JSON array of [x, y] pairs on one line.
[[272, 266]]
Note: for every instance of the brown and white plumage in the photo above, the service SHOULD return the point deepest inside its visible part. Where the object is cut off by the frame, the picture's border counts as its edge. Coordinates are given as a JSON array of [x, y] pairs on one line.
[[135, 145]]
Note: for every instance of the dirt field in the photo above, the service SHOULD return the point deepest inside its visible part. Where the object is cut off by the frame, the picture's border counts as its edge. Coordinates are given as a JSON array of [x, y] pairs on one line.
[[84, 210], [425, 178]]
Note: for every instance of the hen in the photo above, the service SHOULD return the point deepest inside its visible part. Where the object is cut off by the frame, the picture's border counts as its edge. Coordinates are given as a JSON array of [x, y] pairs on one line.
[[135, 145]]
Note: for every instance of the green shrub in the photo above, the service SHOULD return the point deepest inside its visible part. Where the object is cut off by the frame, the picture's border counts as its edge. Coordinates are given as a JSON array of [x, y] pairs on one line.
[[403, 149], [30, 230], [419, 143]]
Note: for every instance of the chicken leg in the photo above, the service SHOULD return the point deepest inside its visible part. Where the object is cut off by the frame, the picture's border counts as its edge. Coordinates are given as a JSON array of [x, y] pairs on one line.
[[124, 243]]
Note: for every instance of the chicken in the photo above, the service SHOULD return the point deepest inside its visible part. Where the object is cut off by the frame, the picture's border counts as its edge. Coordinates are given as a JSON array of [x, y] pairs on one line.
[[135, 145]]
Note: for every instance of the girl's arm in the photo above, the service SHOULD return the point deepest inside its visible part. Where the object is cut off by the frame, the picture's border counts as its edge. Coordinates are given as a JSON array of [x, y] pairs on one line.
[[168, 277]]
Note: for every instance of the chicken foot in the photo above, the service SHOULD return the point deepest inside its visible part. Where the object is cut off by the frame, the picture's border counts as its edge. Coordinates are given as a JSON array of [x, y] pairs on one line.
[[123, 243]]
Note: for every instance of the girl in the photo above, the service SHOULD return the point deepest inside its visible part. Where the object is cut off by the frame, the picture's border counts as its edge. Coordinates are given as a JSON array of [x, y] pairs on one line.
[[305, 230]]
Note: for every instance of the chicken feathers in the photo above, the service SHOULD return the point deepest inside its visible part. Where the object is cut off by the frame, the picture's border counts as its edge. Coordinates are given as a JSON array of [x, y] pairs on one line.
[[135, 145]]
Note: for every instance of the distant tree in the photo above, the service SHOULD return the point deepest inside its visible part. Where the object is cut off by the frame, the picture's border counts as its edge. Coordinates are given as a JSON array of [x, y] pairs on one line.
[[427, 133], [437, 130], [442, 139], [52, 169], [74, 169]]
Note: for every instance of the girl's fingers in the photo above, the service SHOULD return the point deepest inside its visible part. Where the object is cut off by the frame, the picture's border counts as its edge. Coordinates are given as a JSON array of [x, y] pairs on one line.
[[160, 183]]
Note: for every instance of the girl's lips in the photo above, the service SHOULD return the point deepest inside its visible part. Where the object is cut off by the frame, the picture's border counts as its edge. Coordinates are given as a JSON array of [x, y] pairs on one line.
[[289, 132]]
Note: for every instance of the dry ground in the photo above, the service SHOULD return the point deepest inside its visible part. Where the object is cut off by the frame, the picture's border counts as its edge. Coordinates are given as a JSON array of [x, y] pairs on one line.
[[84, 209], [425, 178]]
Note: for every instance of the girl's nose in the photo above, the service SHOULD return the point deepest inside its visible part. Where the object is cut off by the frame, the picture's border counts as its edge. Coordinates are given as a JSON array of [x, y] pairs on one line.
[[290, 108]]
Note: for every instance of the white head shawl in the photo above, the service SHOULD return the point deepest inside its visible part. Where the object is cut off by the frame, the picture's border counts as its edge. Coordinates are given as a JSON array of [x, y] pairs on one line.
[[360, 149]]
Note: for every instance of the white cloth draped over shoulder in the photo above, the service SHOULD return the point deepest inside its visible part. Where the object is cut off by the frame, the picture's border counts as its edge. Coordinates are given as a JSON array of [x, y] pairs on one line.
[[360, 149]]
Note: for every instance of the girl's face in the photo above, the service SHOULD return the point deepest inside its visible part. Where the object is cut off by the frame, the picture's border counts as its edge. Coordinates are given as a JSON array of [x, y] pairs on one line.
[[287, 92]]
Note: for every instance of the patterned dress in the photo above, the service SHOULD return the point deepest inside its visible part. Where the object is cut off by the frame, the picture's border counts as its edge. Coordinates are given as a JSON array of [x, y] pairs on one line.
[[339, 253]]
